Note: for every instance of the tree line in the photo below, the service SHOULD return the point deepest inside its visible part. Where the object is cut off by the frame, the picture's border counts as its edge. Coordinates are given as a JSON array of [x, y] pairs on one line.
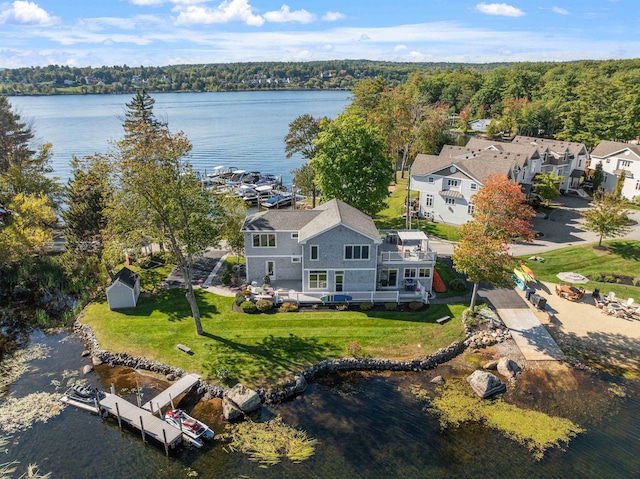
[[142, 192]]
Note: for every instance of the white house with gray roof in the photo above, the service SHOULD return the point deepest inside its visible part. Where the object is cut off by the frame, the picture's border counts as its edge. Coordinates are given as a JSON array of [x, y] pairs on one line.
[[615, 157], [336, 249], [447, 182]]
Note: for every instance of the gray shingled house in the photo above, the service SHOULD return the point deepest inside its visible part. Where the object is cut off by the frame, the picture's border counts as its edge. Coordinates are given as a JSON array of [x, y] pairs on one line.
[[335, 249], [124, 289]]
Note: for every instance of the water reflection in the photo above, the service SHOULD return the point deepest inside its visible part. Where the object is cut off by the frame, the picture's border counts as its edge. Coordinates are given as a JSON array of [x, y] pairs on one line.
[[368, 425]]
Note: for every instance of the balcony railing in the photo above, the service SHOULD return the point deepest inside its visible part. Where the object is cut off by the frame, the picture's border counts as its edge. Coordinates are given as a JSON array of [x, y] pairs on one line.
[[407, 256]]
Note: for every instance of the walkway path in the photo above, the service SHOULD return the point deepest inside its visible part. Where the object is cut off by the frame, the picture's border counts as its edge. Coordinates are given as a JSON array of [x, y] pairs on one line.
[[534, 341]]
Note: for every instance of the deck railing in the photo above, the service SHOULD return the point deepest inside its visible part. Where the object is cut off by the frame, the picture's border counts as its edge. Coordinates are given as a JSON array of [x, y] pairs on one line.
[[407, 256]]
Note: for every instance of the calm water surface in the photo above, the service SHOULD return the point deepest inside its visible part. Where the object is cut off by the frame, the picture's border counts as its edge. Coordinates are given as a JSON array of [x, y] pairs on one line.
[[368, 425], [243, 129]]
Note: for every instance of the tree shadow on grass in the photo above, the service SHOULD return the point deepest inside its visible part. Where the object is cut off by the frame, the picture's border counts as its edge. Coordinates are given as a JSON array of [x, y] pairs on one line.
[[625, 249], [272, 356], [170, 302]]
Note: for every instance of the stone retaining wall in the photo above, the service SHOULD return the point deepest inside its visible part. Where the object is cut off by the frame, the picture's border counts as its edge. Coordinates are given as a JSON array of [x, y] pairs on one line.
[[473, 340]]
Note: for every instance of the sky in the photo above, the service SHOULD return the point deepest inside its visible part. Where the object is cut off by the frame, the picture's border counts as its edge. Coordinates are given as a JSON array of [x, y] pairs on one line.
[[168, 32]]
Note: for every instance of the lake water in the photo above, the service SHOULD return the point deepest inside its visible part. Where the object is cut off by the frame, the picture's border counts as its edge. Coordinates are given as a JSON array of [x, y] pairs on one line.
[[243, 129], [368, 426]]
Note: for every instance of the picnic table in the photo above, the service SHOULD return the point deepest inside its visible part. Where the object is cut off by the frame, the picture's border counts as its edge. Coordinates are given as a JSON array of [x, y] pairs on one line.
[[569, 292]]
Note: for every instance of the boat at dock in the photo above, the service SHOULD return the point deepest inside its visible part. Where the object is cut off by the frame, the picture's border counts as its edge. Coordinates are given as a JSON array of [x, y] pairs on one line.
[[83, 397], [277, 201], [194, 430]]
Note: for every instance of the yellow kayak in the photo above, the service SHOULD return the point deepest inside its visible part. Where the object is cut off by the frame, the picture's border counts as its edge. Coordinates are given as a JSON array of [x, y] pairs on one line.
[[522, 276], [528, 271]]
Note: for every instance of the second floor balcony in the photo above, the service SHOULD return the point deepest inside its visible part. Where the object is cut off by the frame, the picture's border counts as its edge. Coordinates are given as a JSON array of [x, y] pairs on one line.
[[405, 246]]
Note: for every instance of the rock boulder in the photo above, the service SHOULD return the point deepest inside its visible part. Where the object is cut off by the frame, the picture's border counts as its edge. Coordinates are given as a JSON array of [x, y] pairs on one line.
[[485, 384], [86, 369], [229, 410], [245, 399], [491, 365], [438, 380], [508, 368]]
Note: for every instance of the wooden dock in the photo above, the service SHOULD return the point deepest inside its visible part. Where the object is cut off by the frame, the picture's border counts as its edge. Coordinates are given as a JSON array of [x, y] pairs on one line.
[[141, 419], [168, 395]]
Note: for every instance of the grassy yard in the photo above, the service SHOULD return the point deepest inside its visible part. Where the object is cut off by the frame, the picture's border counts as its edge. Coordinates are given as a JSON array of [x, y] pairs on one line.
[[619, 258], [262, 348], [391, 217]]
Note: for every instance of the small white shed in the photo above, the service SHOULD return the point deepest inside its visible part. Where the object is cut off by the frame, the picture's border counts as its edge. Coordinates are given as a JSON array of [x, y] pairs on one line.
[[124, 290]]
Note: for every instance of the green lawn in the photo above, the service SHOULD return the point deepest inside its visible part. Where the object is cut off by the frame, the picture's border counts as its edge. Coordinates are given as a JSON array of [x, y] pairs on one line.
[[619, 257], [262, 348], [391, 217]]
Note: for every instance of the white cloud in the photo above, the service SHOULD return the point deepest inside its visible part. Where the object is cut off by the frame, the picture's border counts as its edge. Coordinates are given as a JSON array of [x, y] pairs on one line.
[[25, 12], [148, 3], [499, 9], [364, 37], [399, 48], [285, 15], [561, 11], [333, 16], [227, 11]]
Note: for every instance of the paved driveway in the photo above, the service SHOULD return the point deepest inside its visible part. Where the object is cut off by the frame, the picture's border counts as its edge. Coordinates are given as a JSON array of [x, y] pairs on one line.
[[563, 228]]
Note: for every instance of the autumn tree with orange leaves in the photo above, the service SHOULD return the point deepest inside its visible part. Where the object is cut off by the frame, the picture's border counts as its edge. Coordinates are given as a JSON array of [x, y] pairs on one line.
[[501, 216]]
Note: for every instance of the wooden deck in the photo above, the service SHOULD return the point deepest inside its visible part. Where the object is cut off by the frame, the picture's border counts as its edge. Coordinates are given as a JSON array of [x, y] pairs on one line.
[[165, 397], [141, 419]]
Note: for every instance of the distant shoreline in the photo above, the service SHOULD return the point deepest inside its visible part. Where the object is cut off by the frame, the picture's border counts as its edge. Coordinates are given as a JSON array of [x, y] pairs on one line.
[[155, 92]]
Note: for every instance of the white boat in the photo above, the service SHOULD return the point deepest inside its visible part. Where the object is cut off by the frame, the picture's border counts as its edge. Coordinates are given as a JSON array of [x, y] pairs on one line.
[[193, 430]]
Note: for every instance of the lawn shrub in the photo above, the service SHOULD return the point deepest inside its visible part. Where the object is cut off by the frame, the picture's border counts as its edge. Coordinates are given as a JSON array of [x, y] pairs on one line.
[[249, 307], [226, 278], [288, 307], [264, 305], [456, 284], [366, 306], [636, 281], [342, 306], [415, 305], [223, 374], [240, 298], [390, 306]]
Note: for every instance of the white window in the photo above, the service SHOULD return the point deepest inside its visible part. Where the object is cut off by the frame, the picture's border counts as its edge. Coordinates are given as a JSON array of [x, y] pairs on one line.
[[470, 209], [453, 183], [264, 240], [294, 235], [356, 251], [410, 272], [424, 273], [430, 179], [296, 259], [625, 163], [637, 185], [608, 160], [317, 279], [474, 186], [450, 201], [428, 200], [314, 252]]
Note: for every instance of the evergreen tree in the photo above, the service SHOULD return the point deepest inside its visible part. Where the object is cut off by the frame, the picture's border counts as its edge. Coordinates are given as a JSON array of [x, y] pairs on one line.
[[15, 136], [139, 117]]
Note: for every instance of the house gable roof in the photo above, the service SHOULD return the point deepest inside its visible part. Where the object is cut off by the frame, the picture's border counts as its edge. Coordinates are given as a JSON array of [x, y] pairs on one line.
[[278, 220], [334, 213], [477, 166], [310, 223], [552, 145], [610, 148], [126, 277]]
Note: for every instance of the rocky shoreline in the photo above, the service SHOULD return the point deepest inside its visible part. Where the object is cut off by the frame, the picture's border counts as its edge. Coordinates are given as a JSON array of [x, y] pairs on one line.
[[474, 340]]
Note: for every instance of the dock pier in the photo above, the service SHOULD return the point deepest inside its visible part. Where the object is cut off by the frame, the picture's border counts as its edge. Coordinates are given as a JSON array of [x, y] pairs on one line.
[[144, 418]]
